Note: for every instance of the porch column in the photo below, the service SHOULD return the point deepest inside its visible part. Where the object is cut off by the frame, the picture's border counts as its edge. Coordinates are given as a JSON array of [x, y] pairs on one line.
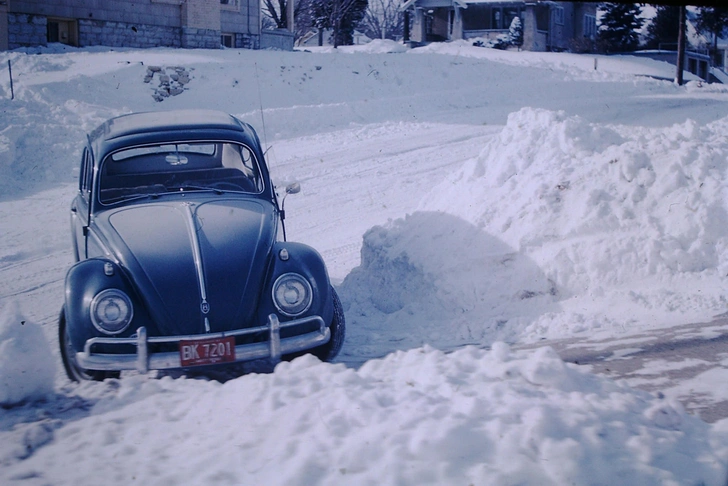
[[457, 25], [529, 28], [418, 26]]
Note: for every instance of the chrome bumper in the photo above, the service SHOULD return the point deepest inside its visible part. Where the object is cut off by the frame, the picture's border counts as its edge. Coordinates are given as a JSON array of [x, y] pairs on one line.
[[143, 361]]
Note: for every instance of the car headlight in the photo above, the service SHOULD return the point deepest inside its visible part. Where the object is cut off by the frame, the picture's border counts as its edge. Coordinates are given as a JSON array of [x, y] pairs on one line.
[[292, 294], [111, 311]]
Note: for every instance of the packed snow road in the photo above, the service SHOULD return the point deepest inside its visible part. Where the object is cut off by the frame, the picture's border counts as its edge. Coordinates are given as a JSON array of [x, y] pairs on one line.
[[687, 362]]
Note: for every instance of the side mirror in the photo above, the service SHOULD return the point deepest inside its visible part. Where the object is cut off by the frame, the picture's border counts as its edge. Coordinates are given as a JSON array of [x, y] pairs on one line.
[[293, 188]]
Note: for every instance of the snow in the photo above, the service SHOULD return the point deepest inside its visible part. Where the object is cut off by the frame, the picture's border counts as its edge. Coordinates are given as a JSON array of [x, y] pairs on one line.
[[415, 417], [26, 363], [463, 198]]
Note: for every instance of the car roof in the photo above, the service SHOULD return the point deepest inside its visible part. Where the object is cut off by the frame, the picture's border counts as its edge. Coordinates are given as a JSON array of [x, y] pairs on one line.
[[138, 128]]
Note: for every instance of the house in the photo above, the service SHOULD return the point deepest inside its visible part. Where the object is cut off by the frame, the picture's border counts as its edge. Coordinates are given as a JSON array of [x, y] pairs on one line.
[[547, 25], [705, 55], [137, 23]]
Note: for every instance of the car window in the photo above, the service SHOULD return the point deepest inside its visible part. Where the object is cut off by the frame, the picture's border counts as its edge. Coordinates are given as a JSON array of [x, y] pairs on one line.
[[85, 175], [172, 167]]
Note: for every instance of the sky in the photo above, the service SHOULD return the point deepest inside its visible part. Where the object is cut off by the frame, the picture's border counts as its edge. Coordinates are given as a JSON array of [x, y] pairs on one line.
[[468, 203]]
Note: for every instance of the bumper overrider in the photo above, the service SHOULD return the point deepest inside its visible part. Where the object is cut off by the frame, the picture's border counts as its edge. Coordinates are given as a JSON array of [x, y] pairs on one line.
[[144, 360]]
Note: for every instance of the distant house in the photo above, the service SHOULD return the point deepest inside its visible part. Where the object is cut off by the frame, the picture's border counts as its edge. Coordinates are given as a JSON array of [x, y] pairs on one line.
[[705, 55], [137, 23], [547, 25]]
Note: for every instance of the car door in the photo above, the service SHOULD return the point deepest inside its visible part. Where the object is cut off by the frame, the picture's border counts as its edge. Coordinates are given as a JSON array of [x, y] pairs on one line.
[[80, 207]]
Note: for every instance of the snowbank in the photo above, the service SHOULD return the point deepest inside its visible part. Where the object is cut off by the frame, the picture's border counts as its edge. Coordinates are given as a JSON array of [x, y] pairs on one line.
[[27, 368], [638, 201], [434, 278], [593, 67], [555, 212], [604, 208], [417, 417], [376, 46]]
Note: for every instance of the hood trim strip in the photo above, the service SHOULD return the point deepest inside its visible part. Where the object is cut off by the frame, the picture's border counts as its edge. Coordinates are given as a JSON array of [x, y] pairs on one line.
[[197, 255]]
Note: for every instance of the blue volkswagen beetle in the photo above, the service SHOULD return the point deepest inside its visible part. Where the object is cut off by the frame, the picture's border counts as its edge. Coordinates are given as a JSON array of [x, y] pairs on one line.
[[182, 262]]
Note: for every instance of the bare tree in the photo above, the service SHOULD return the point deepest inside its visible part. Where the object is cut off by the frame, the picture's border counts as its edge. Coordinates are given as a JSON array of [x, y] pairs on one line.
[[275, 15], [277, 11], [383, 20]]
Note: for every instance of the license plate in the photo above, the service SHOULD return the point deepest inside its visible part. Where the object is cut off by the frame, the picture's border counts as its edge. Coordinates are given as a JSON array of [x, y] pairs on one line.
[[207, 351]]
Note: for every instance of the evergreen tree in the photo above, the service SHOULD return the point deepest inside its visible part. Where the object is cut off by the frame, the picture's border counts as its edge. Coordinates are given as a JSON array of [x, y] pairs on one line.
[[515, 32], [619, 25], [664, 28], [713, 21]]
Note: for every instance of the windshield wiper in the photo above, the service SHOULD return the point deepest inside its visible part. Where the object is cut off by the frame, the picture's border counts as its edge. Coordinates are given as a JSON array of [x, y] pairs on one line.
[[129, 197], [193, 187]]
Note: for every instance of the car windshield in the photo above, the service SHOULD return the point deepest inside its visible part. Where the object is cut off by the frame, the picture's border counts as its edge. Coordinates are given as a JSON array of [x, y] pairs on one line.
[[154, 170]]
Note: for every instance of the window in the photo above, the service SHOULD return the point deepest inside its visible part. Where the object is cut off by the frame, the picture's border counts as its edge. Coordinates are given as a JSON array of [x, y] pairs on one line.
[[226, 40], [84, 180], [63, 31], [496, 18], [158, 170], [590, 26], [476, 17], [181, 148], [558, 13], [510, 14], [230, 4]]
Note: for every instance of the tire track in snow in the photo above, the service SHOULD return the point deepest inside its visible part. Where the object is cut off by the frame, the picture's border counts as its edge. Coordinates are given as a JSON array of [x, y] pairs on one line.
[[400, 162]]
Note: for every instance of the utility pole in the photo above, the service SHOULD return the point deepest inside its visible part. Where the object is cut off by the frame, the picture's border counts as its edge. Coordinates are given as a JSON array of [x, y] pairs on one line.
[[289, 15], [681, 47]]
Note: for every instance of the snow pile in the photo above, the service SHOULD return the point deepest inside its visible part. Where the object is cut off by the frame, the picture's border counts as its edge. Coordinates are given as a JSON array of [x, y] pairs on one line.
[[376, 46], [417, 417], [604, 208], [413, 283], [27, 367], [612, 202], [700, 86], [50, 150], [554, 209]]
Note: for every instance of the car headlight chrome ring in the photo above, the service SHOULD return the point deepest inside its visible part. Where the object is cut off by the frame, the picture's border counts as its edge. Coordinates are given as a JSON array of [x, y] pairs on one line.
[[292, 294], [111, 311]]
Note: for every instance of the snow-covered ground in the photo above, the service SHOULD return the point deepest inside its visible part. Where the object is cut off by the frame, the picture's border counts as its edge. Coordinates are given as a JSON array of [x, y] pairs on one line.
[[463, 198]]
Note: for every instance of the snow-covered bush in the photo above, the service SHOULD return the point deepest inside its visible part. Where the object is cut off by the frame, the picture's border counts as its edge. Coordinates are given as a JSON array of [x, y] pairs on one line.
[[501, 42]]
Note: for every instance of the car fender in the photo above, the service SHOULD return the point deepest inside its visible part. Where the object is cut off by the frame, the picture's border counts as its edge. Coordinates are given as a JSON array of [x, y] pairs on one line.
[[83, 282], [290, 257]]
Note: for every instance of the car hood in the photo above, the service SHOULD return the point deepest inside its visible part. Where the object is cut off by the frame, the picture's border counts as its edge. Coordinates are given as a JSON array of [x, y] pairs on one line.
[[198, 266]]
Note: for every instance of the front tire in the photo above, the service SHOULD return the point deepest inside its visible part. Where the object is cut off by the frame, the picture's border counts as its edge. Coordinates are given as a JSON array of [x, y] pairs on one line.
[[330, 350], [68, 356]]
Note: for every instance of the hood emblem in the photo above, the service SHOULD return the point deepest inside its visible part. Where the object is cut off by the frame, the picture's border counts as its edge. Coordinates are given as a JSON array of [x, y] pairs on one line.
[[205, 307]]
